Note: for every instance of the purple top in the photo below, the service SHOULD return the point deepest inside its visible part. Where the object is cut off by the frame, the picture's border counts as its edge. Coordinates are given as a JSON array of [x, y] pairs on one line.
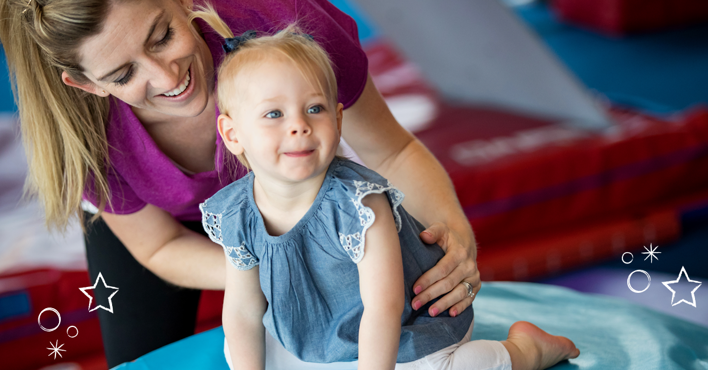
[[140, 173]]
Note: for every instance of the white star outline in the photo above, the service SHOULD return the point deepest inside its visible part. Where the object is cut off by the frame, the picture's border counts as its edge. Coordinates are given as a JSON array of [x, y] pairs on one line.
[[673, 292], [650, 253], [55, 350], [83, 290]]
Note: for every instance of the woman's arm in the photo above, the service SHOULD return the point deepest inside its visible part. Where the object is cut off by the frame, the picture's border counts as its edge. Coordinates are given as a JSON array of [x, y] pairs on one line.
[[382, 289], [386, 147], [168, 249], [242, 317]]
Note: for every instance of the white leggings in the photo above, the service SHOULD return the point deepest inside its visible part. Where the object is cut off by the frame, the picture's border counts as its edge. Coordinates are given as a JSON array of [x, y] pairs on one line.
[[467, 355]]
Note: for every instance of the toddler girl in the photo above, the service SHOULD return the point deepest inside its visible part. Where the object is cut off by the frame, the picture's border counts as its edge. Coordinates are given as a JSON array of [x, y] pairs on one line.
[[322, 254]]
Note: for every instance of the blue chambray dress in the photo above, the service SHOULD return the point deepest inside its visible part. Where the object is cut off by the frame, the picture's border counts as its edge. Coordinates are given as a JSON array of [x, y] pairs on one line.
[[309, 274]]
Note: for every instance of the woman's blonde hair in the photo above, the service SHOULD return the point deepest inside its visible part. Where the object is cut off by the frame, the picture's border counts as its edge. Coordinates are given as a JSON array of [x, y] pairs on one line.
[[63, 128], [300, 49]]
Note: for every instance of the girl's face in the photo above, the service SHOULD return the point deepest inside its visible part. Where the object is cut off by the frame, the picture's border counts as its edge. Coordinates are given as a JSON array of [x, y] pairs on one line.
[[147, 56], [287, 128]]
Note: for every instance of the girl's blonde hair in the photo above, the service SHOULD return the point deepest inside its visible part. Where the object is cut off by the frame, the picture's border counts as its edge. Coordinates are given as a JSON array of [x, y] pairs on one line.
[[62, 127], [300, 49]]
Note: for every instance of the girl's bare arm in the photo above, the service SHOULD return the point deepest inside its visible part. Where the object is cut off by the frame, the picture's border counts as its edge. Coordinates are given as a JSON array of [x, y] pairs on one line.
[[382, 289], [242, 317]]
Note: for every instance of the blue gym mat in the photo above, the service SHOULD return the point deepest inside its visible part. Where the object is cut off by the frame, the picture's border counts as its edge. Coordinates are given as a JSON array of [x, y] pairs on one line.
[[610, 333]]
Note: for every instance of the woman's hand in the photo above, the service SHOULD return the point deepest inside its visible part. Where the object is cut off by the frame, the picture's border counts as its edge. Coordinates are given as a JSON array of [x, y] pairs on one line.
[[444, 279]]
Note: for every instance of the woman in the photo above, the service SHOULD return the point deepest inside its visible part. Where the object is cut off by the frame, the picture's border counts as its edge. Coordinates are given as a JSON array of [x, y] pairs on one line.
[[117, 106]]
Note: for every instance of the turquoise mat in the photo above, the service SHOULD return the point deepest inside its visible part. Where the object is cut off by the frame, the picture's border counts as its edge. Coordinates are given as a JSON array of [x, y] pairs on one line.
[[611, 333]]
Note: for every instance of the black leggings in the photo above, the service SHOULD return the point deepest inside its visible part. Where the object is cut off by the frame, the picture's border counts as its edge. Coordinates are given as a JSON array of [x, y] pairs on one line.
[[148, 312]]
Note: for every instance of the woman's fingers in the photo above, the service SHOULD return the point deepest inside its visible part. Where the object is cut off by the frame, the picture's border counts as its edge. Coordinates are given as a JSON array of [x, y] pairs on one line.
[[440, 279], [466, 302], [440, 234], [446, 285], [456, 298], [436, 233], [443, 280]]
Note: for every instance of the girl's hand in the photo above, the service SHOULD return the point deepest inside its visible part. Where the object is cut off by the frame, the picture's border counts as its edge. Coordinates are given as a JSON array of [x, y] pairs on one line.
[[459, 264]]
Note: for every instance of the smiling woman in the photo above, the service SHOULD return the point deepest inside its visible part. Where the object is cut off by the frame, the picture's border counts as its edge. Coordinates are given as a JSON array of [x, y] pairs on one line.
[[149, 75], [117, 107]]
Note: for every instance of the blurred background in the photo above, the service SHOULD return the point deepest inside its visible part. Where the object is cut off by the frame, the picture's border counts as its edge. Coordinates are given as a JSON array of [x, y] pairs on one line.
[[575, 132]]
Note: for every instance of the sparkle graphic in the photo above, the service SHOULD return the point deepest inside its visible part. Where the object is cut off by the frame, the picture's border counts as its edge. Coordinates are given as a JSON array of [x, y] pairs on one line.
[[55, 350], [673, 292], [629, 282], [650, 252], [75, 328], [39, 319], [83, 290]]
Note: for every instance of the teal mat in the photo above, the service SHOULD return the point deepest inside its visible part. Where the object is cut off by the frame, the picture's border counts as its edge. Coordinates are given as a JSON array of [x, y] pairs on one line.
[[611, 333]]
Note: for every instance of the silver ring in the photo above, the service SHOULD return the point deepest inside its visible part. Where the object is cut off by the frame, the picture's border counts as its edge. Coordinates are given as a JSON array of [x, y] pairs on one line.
[[470, 291]]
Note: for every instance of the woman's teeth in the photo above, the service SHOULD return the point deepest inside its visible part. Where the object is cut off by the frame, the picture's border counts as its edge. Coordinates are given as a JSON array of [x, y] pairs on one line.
[[181, 87]]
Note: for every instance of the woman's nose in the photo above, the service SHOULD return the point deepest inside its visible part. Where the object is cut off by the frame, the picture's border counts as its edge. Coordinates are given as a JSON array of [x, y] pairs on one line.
[[163, 76]]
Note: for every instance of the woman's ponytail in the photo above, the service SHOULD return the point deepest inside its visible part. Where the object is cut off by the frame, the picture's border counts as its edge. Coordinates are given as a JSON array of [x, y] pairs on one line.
[[63, 128]]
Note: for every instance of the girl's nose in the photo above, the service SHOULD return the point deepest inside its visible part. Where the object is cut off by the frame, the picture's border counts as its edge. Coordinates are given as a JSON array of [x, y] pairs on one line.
[[300, 127]]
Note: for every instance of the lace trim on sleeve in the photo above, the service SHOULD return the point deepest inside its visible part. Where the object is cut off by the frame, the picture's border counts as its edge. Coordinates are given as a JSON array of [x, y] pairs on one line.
[[239, 256], [354, 244]]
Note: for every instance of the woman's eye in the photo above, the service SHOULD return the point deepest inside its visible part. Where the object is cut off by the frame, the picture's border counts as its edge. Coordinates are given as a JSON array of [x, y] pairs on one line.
[[126, 78], [274, 114], [315, 109], [165, 39]]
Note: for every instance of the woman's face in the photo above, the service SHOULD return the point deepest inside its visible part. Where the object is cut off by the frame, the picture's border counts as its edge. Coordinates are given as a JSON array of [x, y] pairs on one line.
[[147, 56]]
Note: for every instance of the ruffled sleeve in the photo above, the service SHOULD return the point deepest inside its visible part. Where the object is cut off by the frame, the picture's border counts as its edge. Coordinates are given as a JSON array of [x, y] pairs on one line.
[[226, 218], [353, 183]]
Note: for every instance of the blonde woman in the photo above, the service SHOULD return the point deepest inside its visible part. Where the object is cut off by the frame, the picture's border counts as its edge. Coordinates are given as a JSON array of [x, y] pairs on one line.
[[117, 107]]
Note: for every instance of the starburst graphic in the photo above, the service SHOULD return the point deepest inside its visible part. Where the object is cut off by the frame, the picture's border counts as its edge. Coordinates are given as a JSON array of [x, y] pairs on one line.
[[650, 252], [55, 350]]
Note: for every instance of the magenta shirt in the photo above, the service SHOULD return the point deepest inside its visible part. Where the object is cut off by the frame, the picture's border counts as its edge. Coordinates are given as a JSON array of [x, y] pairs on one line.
[[140, 173]]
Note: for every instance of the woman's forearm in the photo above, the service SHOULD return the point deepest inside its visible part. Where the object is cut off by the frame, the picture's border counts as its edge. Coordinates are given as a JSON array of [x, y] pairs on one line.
[[191, 261], [168, 249]]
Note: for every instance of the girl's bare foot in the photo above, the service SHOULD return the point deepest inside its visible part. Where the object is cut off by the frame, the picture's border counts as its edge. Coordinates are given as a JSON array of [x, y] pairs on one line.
[[531, 348]]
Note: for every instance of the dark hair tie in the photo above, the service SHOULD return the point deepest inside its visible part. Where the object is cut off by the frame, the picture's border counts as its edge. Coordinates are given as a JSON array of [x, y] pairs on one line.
[[232, 43]]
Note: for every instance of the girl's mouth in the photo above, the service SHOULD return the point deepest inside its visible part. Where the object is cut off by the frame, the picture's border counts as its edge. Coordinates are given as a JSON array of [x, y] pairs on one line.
[[303, 153]]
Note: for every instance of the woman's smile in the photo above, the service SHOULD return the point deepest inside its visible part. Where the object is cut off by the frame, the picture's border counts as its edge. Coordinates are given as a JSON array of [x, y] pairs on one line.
[[185, 89]]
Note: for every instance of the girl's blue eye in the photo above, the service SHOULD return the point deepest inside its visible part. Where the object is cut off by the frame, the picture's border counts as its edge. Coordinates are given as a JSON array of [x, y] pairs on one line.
[[274, 114], [315, 109]]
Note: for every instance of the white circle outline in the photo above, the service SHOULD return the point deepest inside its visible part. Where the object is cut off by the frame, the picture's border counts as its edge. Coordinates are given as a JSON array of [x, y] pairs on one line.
[[77, 331], [39, 320], [629, 285], [630, 261]]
